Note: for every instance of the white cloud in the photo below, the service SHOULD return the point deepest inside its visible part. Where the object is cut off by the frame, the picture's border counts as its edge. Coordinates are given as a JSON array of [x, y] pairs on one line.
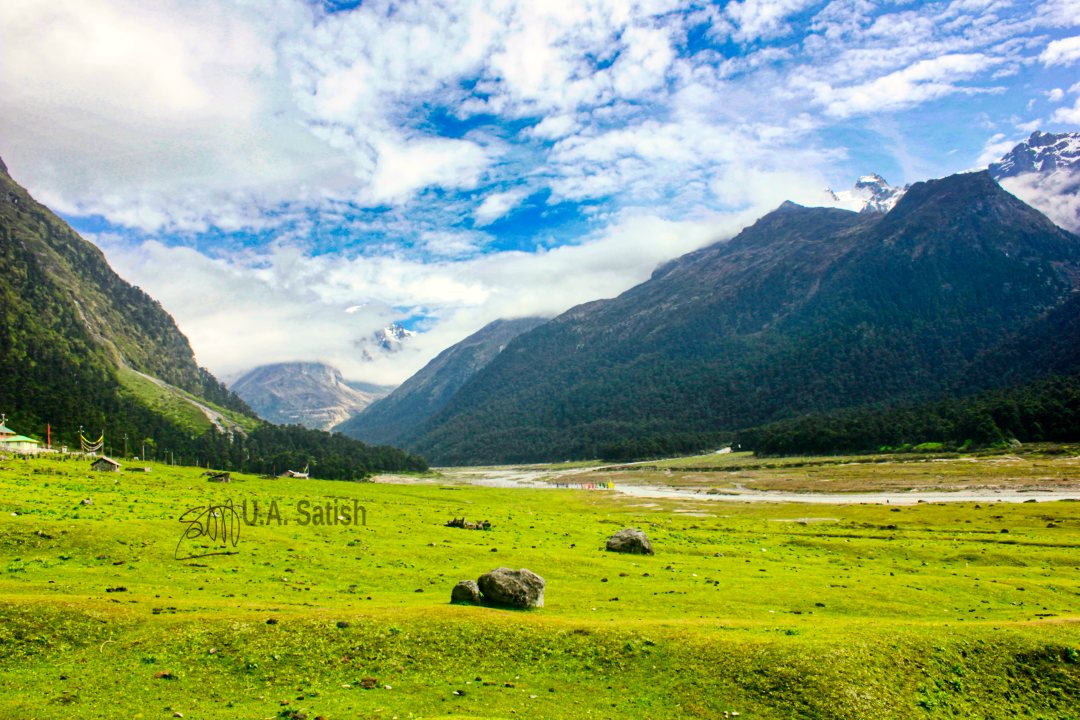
[[919, 82], [152, 115], [1055, 95], [1060, 13], [1067, 115], [756, 19], [1056, 195], [450, 244], [997, 146], [403, 168], [554, 126], [1062, 52], [498, 205]]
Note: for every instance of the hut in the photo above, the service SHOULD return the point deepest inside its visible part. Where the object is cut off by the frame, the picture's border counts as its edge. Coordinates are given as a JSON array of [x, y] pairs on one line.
[[104, 464]]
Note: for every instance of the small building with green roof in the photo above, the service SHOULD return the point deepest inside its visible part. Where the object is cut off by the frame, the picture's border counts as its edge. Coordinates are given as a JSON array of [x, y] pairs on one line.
[[11, 441], [20, 444]]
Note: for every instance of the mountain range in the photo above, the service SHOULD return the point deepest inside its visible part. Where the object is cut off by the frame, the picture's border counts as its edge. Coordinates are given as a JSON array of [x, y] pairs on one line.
[[807, 310], [942, 289]]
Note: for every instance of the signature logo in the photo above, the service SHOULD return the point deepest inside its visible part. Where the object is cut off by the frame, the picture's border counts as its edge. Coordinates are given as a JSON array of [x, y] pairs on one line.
[[219, 524], [214, 529]]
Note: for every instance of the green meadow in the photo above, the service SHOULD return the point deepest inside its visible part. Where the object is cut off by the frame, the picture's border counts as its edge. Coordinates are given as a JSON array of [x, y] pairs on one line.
[[954, 610]]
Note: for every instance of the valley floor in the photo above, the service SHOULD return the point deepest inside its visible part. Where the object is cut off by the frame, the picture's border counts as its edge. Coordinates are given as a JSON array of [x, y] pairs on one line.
[[769, 610]]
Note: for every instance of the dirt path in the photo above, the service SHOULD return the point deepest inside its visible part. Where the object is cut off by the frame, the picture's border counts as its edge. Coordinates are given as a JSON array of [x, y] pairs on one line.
[[222, 423]]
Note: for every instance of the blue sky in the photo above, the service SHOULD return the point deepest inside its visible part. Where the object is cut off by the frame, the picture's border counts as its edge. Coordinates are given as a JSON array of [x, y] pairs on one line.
[[286, 176]]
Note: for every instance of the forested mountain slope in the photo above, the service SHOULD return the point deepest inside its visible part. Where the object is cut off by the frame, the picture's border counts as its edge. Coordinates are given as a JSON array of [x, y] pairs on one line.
[[808, 310]]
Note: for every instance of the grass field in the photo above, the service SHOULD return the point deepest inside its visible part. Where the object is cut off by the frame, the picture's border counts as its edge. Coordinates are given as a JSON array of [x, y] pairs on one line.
[[771, 611]]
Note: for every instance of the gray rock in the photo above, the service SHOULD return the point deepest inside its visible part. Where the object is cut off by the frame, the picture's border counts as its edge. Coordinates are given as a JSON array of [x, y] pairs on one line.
[[465, 592], [630, 540], [512, 588]]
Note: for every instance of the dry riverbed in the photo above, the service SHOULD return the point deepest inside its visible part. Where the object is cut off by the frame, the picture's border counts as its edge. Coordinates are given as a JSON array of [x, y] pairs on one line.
[[1041, 473]]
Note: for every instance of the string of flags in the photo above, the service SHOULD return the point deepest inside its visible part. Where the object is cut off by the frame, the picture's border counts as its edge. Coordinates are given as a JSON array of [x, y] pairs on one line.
[[94, 446]]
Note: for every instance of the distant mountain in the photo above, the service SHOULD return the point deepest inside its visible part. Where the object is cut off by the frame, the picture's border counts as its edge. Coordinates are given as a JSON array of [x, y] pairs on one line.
[[82, 347], [808, 310], [871, 194], [310, 394], [1044, 171], [396, 417]]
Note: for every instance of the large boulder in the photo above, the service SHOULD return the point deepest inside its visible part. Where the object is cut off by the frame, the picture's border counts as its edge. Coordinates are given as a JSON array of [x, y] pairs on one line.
[[512, 588], [465, 592], [630, 540]]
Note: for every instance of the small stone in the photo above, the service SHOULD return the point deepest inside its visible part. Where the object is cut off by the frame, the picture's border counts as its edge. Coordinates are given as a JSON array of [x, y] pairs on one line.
[[630, 540], [466, 592]]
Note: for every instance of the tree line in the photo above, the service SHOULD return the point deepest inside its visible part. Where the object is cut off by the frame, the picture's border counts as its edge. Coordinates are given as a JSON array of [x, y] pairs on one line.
[[1045, 410]]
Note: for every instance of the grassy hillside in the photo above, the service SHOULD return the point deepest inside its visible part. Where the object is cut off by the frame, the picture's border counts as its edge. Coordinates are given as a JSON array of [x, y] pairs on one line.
[[929, 611]]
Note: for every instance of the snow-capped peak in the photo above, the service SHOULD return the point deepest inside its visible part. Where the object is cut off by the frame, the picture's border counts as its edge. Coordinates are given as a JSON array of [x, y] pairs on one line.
[[1040, 153], [872, 193], [383, 341], [391, 336]]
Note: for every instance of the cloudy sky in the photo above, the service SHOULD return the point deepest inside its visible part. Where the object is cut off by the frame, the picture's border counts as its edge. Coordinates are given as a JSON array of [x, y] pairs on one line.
[[288, 176]]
